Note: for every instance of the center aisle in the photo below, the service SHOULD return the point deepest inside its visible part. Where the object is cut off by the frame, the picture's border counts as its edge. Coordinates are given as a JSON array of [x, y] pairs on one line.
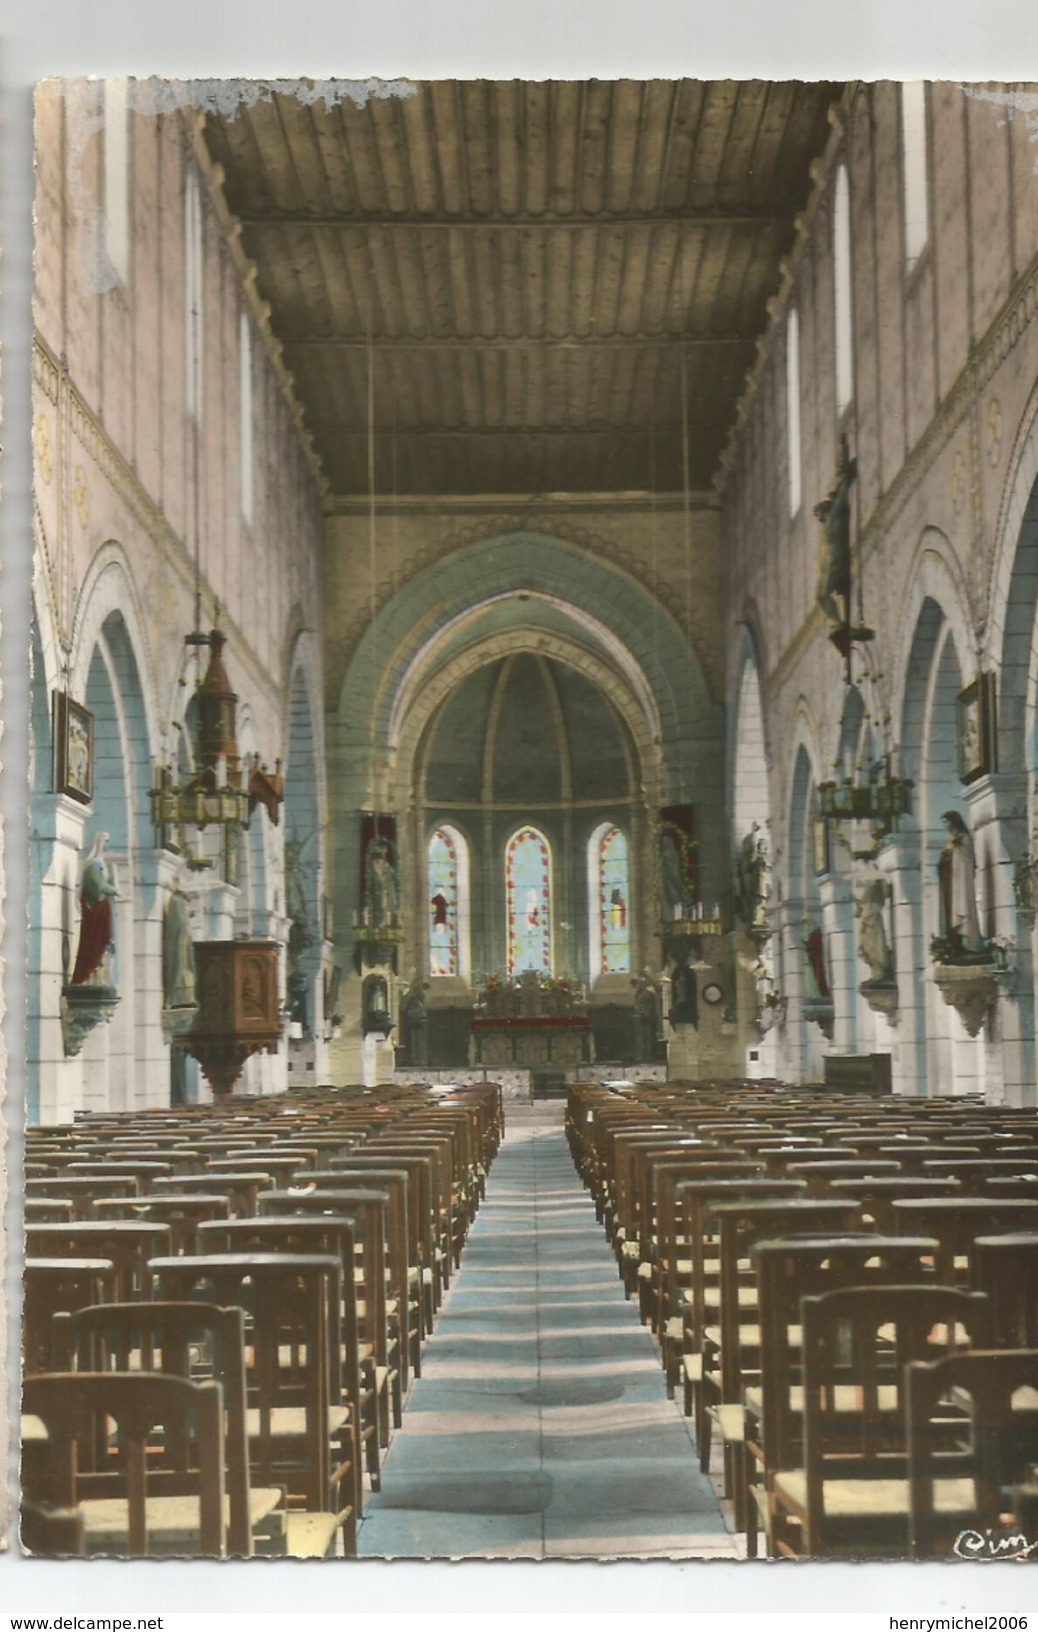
[[540, 1427]]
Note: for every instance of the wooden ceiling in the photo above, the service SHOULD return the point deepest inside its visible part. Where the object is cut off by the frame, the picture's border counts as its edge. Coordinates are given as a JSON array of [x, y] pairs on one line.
[[527, 268]]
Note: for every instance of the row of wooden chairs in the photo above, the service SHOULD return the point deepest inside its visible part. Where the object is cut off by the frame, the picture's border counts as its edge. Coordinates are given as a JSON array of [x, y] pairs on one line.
[[290, 1253], [800, 1258]]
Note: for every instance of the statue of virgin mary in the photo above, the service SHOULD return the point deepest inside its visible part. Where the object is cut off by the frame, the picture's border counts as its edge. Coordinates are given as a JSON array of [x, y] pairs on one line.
[[96, 932], [956, 876]]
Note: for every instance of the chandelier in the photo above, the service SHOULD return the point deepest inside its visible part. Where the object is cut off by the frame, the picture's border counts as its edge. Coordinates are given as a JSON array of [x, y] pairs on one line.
[[222, 791], [881, 801]]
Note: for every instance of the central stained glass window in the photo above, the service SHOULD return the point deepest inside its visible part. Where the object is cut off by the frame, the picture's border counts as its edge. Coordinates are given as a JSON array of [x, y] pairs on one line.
[[528, 902]]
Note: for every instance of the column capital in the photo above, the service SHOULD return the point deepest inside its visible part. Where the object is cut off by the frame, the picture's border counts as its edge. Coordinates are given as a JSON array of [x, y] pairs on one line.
[[1001, 796], [58, 819]]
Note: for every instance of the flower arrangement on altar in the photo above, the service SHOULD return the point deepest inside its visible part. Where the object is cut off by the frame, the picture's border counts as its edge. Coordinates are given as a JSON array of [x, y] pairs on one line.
[[531, 994]]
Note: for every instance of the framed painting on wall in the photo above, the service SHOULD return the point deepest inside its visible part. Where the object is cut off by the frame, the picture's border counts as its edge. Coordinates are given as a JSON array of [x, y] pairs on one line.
[[74, 737], [976, 728]]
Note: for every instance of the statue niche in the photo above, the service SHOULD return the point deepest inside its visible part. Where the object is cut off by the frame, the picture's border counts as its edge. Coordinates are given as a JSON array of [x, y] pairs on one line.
[[751, 884], [90, 997], [179, 973], [817, 1003], [415, 1018], [880, 989]]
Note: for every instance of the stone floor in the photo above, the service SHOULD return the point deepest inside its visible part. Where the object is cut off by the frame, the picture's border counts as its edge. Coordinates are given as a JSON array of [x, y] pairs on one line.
[[540, 1427]]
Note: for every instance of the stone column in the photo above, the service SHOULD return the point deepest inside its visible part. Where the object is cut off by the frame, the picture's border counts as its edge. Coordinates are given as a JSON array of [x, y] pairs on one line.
[[998, 807], [345, 1053], [845, 968], [158, 871], [55, 1089], [899, 862]]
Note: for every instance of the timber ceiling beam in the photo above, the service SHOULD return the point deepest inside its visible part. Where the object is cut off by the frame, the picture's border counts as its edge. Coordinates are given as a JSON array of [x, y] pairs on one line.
[[520, 223], [571, 342]]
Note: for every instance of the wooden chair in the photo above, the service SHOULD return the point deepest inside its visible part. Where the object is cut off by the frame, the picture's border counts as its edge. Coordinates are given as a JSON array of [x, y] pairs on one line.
[[190, 1340], [242, 1189], [994, 1451], [850, 1496], [278, 1168], [731, 1348], [128, 1245], [642, 1235], [47, 1210], [181, 1213], [787, 1270], [46, 1531], [297, 1438], [380, 1364], [120, 1515], [702, 1300], [820, 1176], [51, 1286], [632, 1222], [300, 1234], [429, 1167], [877, 1195], [421, 1213], [975, 1173], [957, 1221], [82, 1191], [672, 1260], [1006, 1268], [438, 1147], [146, 1173], [404, 1303]]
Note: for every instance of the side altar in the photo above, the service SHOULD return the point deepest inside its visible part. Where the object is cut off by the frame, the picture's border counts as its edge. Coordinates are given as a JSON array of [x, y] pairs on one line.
[[529, 1022]]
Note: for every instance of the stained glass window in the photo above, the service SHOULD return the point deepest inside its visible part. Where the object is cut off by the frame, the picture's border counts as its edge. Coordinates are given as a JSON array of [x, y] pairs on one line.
[[528, 902], [614, 896], [443, 903]]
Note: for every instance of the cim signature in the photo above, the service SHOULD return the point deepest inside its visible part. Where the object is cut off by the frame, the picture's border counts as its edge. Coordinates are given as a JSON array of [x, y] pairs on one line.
[[990, 1544]]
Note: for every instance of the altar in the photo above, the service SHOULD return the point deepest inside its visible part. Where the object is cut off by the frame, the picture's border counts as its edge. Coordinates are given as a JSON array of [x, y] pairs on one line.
[[527, 1040], [530, 1020]]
